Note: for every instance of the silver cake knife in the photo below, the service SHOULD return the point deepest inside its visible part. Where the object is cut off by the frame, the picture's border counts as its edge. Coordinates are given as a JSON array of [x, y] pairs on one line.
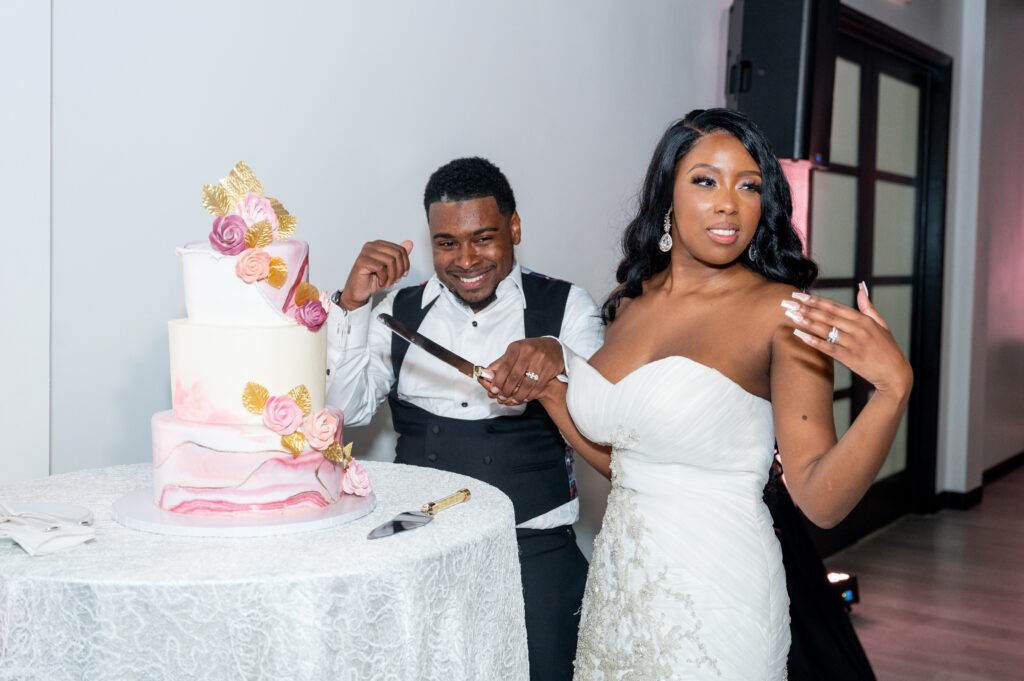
[[442, 353], [410, 520]]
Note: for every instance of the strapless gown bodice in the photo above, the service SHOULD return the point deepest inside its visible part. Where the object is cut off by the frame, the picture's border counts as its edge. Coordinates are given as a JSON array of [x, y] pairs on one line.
[[686, 580]]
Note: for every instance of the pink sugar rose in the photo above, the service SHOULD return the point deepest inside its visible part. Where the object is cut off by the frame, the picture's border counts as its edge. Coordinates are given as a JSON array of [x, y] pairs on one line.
[[228, 235], [312, 315], [356, 480], [336, 413], [282, 415], [253, 264], [254, 208], [320, 429]]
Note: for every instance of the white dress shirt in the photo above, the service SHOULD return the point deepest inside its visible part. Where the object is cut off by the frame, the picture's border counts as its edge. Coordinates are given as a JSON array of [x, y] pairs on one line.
[[359, 358]]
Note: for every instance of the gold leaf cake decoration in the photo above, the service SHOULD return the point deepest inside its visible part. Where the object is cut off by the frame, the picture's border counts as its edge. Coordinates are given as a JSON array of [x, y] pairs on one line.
[[334, 453], [305, 292], [277, 206], [259, 235], [278, 272], [215, 200], [254, 397], [285, 226], [301, 396], [241, 181], [294, 443]]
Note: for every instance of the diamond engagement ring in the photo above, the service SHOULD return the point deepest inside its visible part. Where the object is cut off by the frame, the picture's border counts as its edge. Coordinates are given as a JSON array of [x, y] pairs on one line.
[[833, 335], [532, 376]]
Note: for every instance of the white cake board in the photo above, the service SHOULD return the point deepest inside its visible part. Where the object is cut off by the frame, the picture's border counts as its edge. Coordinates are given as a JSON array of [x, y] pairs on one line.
[[137, 511]]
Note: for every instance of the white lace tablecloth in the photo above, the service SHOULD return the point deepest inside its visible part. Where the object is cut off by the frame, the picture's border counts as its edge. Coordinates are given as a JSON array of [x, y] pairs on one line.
[[440, 602]]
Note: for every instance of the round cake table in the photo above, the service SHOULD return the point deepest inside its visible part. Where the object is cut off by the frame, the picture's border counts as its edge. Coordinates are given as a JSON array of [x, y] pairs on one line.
[[443, 601]]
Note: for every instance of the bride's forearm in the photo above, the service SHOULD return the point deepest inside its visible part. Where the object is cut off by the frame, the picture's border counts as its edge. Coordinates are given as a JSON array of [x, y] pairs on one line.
[[835, 482], [598, 456]]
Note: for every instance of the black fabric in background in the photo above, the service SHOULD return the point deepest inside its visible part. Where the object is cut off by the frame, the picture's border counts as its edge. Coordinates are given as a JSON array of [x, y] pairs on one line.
[[825, 646]]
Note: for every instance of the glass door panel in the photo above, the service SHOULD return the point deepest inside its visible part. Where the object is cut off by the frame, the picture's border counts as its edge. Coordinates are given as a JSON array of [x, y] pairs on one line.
[[894, 229], [898, 111], [834, 215], [896, 305], [845, 113]]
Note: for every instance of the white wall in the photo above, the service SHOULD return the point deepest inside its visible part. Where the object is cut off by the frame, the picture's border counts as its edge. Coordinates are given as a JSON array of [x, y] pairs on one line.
[[25, 265], [1000, 339]]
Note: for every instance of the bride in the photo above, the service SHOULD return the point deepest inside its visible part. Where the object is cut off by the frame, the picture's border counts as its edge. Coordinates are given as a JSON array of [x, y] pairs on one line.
[[713, 354]]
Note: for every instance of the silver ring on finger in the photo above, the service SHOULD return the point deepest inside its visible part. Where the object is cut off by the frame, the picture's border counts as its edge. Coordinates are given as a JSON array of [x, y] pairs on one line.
[[833, 335], [533, 376]]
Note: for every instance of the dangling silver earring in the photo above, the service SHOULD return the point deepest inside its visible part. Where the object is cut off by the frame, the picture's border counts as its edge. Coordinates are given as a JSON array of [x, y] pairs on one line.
[[751, 253], [665, 244]]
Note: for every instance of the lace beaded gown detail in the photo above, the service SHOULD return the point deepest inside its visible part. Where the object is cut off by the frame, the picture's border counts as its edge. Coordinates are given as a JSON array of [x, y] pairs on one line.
[[686, 580]]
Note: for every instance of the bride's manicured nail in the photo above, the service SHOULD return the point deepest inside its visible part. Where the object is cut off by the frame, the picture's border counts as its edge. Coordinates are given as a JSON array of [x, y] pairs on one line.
[[790, 305], [799, 295], [794, 315], [864, 288], [495, 389], [802, 335]]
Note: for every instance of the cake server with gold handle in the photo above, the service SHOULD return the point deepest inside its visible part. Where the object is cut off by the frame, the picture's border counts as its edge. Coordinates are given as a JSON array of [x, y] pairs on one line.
[[410, 520]]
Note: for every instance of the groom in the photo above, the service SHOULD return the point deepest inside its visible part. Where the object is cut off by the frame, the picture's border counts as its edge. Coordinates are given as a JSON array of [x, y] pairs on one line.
[[483, 306]]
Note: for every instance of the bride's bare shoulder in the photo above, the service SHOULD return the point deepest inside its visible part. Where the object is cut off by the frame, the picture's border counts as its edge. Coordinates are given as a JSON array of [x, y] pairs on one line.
[[624, 302], [766, 304]]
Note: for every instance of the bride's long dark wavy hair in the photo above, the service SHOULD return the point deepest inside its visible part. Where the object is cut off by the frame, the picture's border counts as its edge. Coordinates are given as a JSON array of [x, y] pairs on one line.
[[778, 252]]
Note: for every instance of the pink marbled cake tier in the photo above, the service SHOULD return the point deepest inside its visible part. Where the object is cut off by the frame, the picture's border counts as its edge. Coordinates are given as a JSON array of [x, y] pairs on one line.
[[243, 470]]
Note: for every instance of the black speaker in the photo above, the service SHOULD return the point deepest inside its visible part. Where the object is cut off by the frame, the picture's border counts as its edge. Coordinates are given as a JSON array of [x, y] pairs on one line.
[[781, 67]]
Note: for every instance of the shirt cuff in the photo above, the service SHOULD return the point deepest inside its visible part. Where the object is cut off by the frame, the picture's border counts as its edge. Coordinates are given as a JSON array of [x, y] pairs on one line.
[[346, 330]]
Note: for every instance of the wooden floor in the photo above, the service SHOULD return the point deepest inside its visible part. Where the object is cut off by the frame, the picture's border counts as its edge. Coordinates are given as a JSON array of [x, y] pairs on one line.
[[942, 596]]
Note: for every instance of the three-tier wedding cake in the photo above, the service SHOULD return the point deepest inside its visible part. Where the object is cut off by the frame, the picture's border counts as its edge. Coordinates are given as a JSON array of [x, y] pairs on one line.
[[249, 433]]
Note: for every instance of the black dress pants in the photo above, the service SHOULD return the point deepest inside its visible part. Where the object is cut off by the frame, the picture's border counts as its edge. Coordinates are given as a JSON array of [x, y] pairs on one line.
[[554, 573]]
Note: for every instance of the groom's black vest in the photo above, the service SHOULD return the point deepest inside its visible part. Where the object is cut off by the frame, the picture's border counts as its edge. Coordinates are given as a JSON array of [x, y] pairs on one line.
[[523, 456]]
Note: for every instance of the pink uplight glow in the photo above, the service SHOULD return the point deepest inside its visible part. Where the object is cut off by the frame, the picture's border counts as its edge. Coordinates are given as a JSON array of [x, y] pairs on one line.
[[798, 173]]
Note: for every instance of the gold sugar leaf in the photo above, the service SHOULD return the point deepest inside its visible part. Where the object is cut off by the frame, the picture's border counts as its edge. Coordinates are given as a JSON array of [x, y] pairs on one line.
[[294, 443], [215, 200], [347, 454], [254, 397], [240, 182], [230, 191], [278, 272], [301, 396], [285, 227], [334, 453], [276, 205], [259, 235], [305, 292]]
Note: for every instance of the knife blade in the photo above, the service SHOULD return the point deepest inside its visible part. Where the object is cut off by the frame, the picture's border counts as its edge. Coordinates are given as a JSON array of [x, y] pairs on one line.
[[439, 351], [410, 520]]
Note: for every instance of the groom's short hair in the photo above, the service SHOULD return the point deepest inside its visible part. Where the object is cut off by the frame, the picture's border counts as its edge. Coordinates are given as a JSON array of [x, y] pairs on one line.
[[465, 179]]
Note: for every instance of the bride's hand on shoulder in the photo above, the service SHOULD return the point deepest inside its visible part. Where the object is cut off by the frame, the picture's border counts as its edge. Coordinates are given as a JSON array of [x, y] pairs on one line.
[[860, 339]]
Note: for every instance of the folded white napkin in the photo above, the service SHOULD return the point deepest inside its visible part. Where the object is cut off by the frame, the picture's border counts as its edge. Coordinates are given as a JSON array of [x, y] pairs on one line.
[[40, 533]]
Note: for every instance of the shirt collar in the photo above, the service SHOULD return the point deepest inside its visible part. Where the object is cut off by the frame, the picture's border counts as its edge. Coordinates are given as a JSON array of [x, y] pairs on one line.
[[509, 287]]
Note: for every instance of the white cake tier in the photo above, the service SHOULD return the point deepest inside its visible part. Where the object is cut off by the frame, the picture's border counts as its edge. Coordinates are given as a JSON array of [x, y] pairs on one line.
[[215, 294], [211, 365], [236, 469]]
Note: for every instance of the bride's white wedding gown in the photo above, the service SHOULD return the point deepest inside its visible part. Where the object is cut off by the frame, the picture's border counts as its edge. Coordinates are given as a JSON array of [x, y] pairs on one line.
[[686, 580]]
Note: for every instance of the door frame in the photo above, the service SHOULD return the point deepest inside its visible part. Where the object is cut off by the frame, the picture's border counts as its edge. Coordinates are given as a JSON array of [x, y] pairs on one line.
[[884, 502]]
